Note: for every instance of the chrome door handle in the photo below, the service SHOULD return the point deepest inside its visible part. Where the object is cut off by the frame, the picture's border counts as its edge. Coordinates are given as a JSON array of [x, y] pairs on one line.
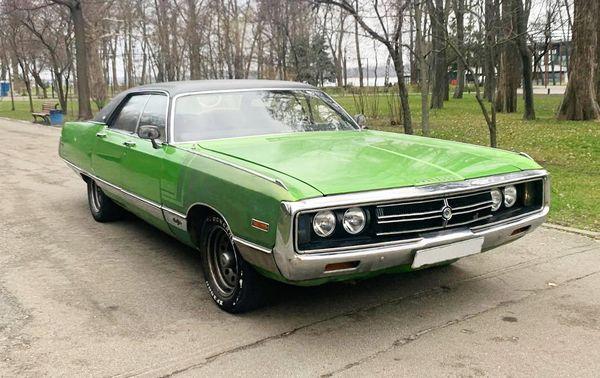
[[101, 135], [129, 143]]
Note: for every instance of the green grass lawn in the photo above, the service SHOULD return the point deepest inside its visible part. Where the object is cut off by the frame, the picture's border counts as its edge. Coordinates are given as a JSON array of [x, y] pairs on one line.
[[570, 151], [22, 111]]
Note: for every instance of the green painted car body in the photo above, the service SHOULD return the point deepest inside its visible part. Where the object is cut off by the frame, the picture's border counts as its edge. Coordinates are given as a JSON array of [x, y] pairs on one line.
[[257, 178]]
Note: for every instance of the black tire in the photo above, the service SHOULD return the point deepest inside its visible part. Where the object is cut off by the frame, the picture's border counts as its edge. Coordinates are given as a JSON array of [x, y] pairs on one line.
[[232, 283], [103, 209]]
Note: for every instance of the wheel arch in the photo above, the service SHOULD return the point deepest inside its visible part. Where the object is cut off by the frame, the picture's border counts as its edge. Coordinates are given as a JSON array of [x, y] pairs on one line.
[[197, 214]]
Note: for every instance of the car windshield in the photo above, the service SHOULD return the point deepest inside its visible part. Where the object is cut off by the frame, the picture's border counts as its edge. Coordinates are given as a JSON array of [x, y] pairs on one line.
[[235, 114]]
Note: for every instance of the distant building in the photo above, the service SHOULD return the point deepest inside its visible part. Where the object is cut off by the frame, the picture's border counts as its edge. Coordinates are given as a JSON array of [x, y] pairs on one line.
[[551, 68]]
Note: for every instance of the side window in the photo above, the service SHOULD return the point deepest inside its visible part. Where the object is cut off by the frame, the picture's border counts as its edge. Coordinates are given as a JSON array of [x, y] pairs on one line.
[[155, 113], [130, 113]]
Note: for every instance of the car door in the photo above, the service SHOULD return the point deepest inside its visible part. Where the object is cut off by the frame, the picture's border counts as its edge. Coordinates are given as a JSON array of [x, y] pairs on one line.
[[142, 164], [112, 140]]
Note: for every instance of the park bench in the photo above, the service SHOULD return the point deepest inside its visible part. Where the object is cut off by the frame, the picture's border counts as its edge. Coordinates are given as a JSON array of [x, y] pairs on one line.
[[45, 113]]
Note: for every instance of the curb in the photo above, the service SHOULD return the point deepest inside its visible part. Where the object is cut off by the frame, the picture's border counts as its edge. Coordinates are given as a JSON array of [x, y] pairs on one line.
[[589, 234]]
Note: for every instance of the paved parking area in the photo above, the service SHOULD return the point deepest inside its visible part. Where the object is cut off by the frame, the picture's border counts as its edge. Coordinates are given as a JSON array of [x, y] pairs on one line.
[[83, 298]]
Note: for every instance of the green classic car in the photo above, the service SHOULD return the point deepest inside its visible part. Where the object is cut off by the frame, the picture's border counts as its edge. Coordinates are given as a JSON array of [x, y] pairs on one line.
[[274, 179]]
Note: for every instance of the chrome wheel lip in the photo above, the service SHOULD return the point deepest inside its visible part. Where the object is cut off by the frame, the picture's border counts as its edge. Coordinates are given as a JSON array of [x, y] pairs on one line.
[[223, 264]]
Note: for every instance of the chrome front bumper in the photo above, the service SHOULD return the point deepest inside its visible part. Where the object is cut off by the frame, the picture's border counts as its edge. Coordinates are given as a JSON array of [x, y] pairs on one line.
[[306, 266], [284, 259]]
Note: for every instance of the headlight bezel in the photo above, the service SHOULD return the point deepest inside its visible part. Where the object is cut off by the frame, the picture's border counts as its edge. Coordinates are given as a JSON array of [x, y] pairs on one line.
[[498, 205], [345, 224], [307, 238], [514, 195], [324, 213]]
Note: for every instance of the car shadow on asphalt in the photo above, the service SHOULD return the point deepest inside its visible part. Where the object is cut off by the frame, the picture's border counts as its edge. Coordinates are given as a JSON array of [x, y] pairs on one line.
[[336, 297]]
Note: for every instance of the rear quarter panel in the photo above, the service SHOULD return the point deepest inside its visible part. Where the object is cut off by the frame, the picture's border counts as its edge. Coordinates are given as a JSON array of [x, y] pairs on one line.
[[77, 143]]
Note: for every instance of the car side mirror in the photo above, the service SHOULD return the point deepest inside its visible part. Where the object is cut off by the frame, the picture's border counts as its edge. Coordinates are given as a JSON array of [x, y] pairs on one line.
[[149, 132], [361, 120]]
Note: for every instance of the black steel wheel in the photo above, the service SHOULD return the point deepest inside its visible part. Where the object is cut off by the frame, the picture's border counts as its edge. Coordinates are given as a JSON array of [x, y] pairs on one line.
[[232, 283], [222, 260]]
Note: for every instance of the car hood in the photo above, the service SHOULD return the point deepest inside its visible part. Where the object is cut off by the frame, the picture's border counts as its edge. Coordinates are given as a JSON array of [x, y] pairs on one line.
[[352, 161]]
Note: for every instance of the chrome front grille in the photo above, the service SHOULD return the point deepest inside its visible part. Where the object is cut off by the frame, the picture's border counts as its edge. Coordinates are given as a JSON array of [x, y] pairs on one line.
[[414, 217]]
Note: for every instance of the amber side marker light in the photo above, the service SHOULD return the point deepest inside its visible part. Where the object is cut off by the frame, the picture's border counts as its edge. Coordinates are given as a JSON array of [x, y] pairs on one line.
[[260, 225], [341, 266], [520, 230]]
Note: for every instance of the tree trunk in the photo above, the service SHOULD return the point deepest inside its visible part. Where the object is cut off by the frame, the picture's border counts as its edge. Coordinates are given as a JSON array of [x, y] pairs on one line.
[[439, 77], [489, 62], [193, 38], [598, 58], [356, 41], [27, 82], [521, 19], [423, 80], [414, 66], [62, 98], [579, 101], [459, 9], [83, 85], [12, 91], [402, 90], [509, 72]]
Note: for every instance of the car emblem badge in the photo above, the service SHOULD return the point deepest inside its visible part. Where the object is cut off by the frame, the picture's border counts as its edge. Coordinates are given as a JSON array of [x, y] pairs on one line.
[[447, 213]]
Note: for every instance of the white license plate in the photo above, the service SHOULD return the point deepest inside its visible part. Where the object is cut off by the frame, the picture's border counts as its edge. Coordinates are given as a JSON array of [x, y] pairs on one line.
[[447, 252]]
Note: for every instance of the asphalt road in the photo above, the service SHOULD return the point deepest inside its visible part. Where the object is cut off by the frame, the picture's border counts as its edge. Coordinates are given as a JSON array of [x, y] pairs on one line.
[[83, 298]]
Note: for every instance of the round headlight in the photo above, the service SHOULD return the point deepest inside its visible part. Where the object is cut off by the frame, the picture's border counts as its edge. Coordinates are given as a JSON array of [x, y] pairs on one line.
[[496, 199], [510, 196], [354, 220], [324, 223]]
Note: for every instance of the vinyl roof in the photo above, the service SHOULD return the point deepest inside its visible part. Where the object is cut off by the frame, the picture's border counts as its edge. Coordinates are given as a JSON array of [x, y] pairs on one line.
[[179, 87]]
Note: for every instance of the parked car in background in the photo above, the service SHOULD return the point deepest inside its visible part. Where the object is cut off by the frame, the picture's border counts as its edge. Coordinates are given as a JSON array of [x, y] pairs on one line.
[[274, 180]]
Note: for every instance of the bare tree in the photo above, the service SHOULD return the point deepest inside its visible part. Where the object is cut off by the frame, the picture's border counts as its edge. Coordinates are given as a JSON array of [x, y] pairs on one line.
[[81, 49], [391, 39]]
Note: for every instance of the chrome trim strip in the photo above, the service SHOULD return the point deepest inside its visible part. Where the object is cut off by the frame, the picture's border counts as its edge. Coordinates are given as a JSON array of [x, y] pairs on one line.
[[470, 210], [405, 219], [409, 214], [478, 219], [408, 231], [233, 165], [526, 155], [410, 203], [471, 205], [364, 246], [252, 245], [174, 213], [149, 205]]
